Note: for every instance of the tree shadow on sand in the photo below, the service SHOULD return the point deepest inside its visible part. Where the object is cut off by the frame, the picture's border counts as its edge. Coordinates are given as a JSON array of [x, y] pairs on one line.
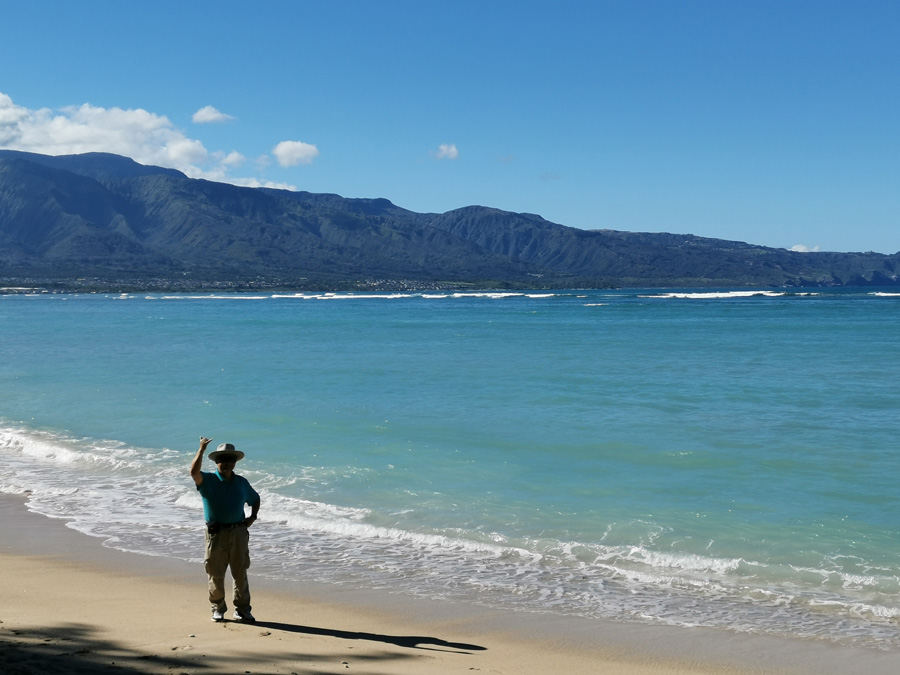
[[73, 649], [407, 641]]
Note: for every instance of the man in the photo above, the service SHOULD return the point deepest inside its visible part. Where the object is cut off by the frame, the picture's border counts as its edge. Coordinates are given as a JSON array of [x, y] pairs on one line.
[[224, 494]]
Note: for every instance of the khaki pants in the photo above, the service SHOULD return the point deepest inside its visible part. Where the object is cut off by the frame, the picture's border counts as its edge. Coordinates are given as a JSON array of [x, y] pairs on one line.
[[228, 548]]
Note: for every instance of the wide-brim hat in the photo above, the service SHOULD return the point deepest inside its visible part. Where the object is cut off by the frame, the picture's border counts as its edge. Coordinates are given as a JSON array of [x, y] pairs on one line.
[[226, 449]]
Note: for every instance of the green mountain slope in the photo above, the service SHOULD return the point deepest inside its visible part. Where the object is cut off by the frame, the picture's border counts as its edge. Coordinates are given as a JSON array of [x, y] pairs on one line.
[[109, 218]]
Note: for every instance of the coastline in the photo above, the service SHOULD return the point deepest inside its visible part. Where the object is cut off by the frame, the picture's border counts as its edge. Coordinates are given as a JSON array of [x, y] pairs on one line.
[[74, 606]]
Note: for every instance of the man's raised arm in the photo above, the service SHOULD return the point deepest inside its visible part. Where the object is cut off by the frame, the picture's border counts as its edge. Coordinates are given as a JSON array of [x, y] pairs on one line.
[[197, 464]]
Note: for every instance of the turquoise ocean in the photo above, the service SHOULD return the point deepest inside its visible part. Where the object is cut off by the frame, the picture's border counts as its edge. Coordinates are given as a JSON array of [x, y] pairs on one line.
[[724, 458]]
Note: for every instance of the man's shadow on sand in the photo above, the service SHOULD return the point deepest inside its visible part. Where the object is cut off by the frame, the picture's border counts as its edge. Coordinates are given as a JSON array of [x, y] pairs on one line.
[[408, 641]]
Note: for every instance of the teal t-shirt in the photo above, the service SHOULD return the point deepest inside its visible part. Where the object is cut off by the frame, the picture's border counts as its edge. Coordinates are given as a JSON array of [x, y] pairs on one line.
[[223, 501]]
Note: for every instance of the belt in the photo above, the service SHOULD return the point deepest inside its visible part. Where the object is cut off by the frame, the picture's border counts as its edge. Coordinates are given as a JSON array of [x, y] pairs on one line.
[[215, 528]]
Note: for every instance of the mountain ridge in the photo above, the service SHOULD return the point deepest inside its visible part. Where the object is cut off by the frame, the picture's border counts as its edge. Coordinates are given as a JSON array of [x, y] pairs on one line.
[[109, 218]]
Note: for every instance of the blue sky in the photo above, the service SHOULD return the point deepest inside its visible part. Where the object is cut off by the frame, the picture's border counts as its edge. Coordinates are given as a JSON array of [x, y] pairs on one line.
[[775, 123]]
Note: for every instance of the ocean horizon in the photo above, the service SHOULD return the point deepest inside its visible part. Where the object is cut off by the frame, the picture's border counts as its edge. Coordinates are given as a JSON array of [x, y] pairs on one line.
[[722, 458]]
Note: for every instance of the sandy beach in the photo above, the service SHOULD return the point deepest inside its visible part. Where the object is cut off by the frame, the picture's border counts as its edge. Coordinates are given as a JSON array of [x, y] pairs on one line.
[[73, 606]]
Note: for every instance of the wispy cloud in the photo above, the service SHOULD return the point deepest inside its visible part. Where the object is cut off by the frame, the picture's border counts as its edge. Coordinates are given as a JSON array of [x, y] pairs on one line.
[[446, 151], [292, 153], [209, 115], [146, 137], [800, 248]]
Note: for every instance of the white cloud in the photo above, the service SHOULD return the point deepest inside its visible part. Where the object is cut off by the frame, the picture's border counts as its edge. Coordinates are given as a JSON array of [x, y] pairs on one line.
[[11, 116], [292, 153], [446, 151], [209, 115], [800, 248], [233, 158], [144, 136]]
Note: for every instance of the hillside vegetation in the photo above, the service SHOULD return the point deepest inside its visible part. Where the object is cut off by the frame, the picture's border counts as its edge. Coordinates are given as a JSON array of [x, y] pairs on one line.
[[108, 219]]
